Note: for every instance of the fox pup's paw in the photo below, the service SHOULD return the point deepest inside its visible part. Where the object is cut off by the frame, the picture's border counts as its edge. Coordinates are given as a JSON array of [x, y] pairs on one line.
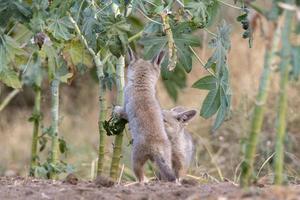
[[120, 112], [178, 181]]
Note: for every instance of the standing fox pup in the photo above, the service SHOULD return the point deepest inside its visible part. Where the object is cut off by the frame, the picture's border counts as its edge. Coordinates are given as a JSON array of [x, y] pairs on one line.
[[150, 140], [175, 121], [182, 145]]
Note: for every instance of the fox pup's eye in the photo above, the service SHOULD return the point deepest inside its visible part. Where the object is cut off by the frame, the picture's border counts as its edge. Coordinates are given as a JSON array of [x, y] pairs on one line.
[[164, 120]]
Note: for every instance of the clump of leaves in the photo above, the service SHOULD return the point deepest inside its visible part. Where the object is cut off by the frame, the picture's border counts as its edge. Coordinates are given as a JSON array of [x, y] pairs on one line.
[[115, 125], [202, 12], [44, 169]]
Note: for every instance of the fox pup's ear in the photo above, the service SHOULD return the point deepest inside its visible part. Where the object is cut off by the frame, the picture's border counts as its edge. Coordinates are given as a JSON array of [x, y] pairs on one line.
[[159, 58], [131, 55], [186, 115]]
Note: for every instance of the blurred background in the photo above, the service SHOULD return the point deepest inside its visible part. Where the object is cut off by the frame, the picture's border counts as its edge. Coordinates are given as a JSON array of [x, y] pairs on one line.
[[218, 153]]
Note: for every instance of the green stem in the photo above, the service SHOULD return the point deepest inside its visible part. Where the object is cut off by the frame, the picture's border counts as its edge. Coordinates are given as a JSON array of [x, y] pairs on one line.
[[120, 101], [136, 36], [7, 99], [101, 118], [282, 104], [229, 5], [36, 127], [102, 112], [257, 119], [54, 124]]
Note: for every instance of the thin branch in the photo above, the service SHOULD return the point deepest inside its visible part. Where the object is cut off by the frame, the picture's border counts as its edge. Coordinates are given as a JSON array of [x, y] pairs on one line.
[[229, 5], [266, 161], [148, 17], [208, 31], [136, 36], [7, 99], [213, 160], [201, 61]]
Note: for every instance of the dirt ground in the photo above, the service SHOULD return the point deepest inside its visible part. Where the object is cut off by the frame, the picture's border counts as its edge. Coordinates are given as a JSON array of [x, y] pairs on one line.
[[26, 188]]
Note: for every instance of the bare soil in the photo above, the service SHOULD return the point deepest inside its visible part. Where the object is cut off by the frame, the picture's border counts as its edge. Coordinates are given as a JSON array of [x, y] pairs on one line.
[[27, 188]]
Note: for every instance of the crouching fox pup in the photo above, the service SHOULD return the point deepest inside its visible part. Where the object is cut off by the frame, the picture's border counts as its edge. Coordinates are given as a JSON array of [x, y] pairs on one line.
[[175, 121], [182, 145], [143, 111]]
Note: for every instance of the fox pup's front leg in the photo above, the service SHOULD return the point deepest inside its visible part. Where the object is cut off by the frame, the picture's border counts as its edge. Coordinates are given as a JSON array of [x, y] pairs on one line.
[[120, 112]]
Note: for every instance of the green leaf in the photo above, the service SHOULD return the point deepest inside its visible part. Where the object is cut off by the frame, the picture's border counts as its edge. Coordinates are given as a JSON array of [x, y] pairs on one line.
[[199, 12], [10, 78], [203, 12], [206, 83], [157, 41], [75, 53], [222, 112], [211, 103], [242, 17], [174, 81], [18, 10], [221, 45], [63, 148], [59, 28]]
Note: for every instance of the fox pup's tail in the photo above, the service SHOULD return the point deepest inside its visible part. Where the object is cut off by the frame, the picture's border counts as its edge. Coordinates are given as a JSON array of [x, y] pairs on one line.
[[165, 170]]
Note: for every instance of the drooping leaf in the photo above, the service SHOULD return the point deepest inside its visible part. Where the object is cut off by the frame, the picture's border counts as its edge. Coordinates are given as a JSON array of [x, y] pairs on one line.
[[222, 112], [221, 44], [206, 83], [75, 53], [10, 78], [211, 103], [174, 81]]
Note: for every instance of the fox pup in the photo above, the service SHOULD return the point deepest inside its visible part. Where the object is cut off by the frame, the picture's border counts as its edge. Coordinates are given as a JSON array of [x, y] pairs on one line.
[[175, 121], [182, 145], [150, 141]]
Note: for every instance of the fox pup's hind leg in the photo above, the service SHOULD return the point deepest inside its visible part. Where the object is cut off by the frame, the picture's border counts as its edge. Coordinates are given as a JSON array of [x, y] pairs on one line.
[[139, 158], [163, 161]]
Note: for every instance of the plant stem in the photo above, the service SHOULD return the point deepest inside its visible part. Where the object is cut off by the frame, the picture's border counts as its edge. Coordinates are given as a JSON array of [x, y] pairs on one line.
[[120, 101], [229, 5], [36, 127], [257, 119], [136, 36], [282, 104], [54, 124], [102, 111], [7, 99], [101, 118], [201, 61]]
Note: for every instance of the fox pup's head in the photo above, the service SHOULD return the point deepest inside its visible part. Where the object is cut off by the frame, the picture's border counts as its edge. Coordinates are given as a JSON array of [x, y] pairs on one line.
[[139, 69], [176, 119]]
